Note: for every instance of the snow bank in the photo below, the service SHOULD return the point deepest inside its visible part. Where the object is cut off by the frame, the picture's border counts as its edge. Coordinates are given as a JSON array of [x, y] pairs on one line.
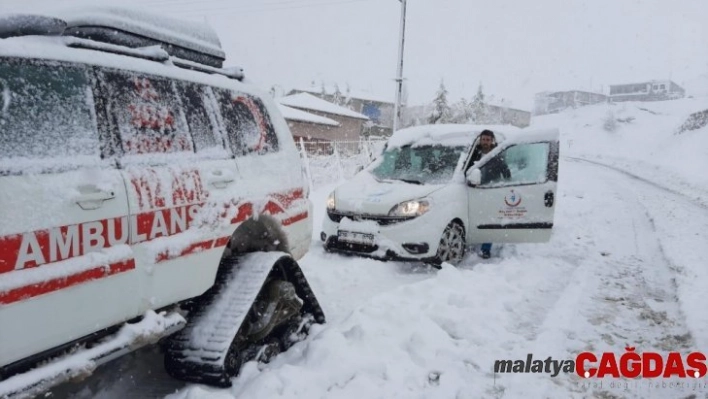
[[641, 136]]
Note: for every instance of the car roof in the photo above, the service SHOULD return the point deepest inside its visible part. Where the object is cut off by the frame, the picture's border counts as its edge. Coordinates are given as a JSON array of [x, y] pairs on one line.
[[446, 134]]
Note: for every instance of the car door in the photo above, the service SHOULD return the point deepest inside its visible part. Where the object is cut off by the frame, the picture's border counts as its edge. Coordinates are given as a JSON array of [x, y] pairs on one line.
[[520, 208], [181, 182], [66, 270]]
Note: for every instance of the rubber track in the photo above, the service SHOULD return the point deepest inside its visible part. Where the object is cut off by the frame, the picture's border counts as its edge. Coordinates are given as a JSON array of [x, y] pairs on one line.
[[198, 352]]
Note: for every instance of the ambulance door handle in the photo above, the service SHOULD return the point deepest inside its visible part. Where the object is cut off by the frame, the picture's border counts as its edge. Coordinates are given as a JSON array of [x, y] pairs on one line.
[[221, 183], [219, 179], [94, 200]]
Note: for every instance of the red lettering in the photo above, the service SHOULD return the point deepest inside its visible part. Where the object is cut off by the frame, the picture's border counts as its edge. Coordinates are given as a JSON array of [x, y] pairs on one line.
[[649, 358], [187, 188], [148, 189], [580, 364], [630, 363], [608, 365], [674, 366], [696, 361], [32, 249]]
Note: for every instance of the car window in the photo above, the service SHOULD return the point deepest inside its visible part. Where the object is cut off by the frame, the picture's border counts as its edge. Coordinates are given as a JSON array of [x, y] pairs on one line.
[[46, 111], [420, 164], [200, 120], [526, 164], [147, 114], [247, 123]]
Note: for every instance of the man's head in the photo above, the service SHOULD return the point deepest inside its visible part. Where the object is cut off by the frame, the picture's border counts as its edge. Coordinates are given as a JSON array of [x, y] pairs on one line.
[[486, 141]]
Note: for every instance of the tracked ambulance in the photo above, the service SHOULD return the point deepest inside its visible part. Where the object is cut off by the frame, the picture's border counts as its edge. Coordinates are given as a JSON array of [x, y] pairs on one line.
[[148, 194]]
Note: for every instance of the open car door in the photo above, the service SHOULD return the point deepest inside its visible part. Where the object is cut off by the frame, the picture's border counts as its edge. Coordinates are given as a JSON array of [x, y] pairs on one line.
[[512, 190]]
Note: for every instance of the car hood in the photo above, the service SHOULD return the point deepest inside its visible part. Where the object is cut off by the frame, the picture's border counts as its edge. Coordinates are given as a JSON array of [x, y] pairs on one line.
[[365, 195]]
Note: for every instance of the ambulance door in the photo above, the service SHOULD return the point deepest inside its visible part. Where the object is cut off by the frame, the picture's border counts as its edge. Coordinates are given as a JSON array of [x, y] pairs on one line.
[[177, 171], [66, 270]]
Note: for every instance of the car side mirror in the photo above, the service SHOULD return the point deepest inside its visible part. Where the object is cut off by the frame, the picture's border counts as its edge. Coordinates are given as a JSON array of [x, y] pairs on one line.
[[474, 177]]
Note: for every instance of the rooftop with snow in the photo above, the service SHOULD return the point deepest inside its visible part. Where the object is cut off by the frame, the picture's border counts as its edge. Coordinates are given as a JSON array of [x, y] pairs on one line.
[[302, 116], [310, 102]]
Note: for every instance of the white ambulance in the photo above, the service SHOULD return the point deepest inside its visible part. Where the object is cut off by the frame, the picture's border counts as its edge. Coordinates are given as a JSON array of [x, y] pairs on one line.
[[145, 192]]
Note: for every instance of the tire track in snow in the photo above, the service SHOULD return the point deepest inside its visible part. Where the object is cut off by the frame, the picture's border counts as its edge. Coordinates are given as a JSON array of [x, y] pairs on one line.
[[695, 201], [623, 292]]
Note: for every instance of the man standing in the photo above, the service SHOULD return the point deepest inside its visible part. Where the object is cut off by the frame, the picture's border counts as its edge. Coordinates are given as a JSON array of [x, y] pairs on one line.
[[494, 170]]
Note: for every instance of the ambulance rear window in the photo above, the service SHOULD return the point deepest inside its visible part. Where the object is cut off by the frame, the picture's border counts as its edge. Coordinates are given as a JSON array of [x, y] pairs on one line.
[[46, 111], [249, 129]]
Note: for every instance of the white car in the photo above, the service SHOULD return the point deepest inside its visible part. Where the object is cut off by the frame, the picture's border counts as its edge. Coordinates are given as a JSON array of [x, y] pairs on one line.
[[146, 188], [422, 199]]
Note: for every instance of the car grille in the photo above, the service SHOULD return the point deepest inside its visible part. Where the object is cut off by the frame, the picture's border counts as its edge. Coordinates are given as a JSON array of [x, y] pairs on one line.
[[350, 247], [337, 216]]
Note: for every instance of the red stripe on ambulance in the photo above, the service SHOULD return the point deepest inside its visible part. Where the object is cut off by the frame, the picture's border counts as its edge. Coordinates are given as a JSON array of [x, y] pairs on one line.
[[45, 287]]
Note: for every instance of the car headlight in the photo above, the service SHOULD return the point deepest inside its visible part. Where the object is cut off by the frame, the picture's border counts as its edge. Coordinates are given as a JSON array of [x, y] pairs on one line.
[[410, 208], [330, 201]]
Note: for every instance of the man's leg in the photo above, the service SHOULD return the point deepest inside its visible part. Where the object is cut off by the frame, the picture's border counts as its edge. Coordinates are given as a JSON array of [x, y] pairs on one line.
[[486, 249]]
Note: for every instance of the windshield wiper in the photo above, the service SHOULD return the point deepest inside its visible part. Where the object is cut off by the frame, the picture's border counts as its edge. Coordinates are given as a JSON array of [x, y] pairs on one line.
[[410, 181]]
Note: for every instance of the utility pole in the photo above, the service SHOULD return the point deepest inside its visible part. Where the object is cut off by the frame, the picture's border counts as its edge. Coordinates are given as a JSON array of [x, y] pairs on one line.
[[399, 75]]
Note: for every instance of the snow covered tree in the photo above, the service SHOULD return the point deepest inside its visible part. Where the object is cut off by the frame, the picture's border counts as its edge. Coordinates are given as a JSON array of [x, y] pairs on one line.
[[337, 97], [442, 113], [347, 97], [479, 107], [463, 112]]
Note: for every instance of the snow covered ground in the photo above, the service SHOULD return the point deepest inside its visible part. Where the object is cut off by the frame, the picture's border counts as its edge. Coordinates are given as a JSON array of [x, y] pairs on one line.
[[626, 266]]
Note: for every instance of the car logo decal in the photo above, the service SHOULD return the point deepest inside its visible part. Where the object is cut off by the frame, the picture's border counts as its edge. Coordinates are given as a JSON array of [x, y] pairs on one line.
[[513, 199]]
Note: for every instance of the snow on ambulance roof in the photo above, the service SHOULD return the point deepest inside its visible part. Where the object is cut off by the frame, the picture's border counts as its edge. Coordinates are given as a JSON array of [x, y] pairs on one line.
[[308, 101], [188, 34], [446, 134], [302, 116], [55, 49]]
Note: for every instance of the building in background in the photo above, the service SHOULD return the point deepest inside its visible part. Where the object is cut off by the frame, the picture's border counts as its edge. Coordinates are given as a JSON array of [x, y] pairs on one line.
[[378, 110], [552, 102], [350, 124], [653, 90], [306, 126]]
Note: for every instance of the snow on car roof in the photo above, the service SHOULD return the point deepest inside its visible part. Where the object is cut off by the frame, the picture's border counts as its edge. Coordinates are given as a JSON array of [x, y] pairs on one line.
[[446, 134], [308, 101], [188, 34], [302, 116]]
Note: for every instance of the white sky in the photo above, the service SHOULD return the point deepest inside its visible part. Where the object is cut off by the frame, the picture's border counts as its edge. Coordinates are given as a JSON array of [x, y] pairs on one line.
[[515, 48]]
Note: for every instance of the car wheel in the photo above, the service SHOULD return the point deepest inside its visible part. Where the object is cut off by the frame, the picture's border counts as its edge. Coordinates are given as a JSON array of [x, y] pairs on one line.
[[452, 244]]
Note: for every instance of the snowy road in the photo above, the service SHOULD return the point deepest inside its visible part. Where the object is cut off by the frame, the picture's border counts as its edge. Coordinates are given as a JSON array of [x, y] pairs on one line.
[[625, 266]]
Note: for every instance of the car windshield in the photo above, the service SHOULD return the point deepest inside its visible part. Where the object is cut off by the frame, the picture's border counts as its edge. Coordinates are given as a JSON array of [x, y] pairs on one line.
[[425, 164]]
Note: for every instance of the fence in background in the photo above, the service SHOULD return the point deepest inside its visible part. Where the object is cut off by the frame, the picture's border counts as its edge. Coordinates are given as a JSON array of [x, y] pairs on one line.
[[328, 162]]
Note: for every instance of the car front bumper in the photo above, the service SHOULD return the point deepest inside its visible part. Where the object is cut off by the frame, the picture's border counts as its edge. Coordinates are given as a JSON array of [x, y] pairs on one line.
[[409, 239]]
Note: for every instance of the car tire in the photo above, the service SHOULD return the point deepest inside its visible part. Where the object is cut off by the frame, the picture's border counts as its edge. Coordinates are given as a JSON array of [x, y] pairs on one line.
[[452, 244]]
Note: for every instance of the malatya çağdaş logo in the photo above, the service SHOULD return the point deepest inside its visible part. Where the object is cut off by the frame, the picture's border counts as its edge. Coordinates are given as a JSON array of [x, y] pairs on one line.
[[629, 364]]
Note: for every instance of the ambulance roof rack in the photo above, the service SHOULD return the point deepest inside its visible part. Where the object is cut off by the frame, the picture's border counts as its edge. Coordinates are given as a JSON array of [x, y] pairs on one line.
[[129, 32], [25, 25]]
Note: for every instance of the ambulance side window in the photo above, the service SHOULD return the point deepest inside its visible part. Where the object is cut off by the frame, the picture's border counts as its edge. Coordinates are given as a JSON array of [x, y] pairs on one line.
[[46, 116], [201, 118], [146, 113], [247, 123]]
